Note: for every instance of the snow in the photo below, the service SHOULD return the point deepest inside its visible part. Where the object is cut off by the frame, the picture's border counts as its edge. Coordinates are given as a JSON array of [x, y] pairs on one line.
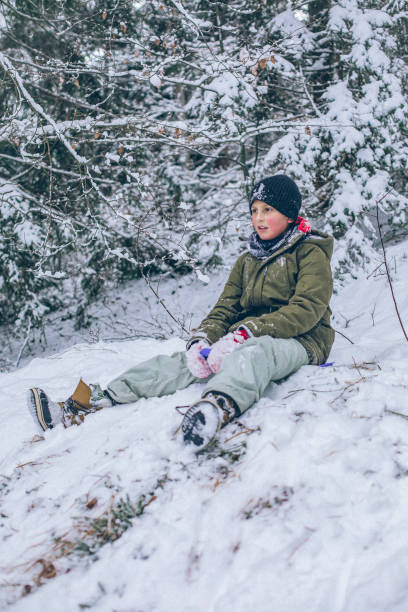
[[202, 277], [301, 505], [156, 81], [295, 34]]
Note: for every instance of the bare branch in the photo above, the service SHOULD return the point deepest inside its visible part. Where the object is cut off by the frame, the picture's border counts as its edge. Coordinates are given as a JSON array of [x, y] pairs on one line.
[[377, 202]]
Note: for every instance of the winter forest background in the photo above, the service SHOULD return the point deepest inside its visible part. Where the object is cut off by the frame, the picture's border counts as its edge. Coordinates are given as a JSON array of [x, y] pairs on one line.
[[131, 133]]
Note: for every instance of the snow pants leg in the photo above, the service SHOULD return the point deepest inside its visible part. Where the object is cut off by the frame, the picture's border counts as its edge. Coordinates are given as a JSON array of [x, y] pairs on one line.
[[248, 370], [244, 374], [161, 375]]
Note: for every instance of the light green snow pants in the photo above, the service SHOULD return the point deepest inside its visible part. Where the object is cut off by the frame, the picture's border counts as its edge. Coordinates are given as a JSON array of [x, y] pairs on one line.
[[244, 375]]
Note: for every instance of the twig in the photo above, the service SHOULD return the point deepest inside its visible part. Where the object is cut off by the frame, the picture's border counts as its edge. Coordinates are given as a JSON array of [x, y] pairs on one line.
[[180, 409], [152, 289], [375, 270], [404, 416], [377, 202], [365, 365], [292, 392], [248, 430], [23, 345], [161, 301], [344, 336], [351, 384], [356, 366], [296, 548]]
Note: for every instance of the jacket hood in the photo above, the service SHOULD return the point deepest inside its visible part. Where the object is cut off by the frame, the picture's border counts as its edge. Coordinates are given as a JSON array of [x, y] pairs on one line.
[[322, 240]]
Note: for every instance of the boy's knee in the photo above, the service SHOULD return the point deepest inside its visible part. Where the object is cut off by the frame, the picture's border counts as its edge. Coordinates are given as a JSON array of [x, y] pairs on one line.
[[261, 345], [278, 353]]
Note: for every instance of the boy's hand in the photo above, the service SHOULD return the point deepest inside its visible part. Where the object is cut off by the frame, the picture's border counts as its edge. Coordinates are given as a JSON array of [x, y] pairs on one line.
[[225, 346], [196, 362]]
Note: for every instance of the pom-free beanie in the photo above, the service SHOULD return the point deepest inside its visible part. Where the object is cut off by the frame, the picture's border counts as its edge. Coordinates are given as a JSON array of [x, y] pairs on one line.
[[280, 192]]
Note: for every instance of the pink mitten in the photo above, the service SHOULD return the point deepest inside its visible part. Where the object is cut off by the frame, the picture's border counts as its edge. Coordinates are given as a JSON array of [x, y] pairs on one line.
[[225, 346], [196, 362]]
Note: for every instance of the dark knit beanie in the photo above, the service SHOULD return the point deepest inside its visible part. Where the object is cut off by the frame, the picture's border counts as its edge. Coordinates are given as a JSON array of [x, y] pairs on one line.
[[280, 192]]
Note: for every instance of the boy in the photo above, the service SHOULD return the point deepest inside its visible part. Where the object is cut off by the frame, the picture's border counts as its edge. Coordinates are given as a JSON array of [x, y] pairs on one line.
[[272, 317]]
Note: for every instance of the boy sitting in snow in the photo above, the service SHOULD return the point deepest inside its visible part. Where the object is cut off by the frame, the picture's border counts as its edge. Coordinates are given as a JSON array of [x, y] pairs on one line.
[[272, 317]]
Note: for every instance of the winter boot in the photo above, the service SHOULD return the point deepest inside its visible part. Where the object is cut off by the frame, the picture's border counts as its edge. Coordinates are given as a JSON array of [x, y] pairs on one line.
[[229, 408], [205, 418], [99, 397], [84, 400]]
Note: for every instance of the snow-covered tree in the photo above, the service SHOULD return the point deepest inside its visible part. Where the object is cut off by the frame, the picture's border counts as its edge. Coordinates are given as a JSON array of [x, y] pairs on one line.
[[127, 123], [354, 148]]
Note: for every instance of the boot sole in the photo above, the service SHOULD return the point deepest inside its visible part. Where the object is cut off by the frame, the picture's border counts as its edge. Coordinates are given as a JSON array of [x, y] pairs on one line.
[[37, 403], [200, 426]]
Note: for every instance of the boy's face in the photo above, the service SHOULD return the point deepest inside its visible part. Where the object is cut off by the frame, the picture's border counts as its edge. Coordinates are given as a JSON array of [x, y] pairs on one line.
[[268, 222]]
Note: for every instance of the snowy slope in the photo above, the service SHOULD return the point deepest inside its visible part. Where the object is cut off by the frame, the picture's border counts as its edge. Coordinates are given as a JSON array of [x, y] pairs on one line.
[[300, 506]]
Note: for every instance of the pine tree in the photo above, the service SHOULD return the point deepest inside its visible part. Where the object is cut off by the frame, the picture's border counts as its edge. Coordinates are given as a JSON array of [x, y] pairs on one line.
[[354, 145]]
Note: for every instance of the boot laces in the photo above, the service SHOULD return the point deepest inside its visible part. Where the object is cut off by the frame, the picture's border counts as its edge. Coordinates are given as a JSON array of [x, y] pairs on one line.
[[74, 413], [225, 405]]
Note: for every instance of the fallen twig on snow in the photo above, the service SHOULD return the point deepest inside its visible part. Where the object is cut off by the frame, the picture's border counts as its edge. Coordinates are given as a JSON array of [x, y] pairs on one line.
[[344, 336], [247, 430], [351, 384], [404, 416]]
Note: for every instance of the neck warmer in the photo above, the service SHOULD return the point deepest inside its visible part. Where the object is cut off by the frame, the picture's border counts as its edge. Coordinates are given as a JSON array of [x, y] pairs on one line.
[[261, 249]]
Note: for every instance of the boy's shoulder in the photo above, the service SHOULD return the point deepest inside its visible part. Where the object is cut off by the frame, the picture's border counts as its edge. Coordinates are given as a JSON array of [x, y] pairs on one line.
[[241, 258], [318, 235], [317, 239]]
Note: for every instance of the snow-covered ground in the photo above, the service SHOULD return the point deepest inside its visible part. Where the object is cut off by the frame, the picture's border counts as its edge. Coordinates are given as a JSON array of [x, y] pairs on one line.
[[300, 506]]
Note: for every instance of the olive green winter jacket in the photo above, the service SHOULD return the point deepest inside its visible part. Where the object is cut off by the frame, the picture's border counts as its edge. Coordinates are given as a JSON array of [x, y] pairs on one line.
[[285, 296]]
